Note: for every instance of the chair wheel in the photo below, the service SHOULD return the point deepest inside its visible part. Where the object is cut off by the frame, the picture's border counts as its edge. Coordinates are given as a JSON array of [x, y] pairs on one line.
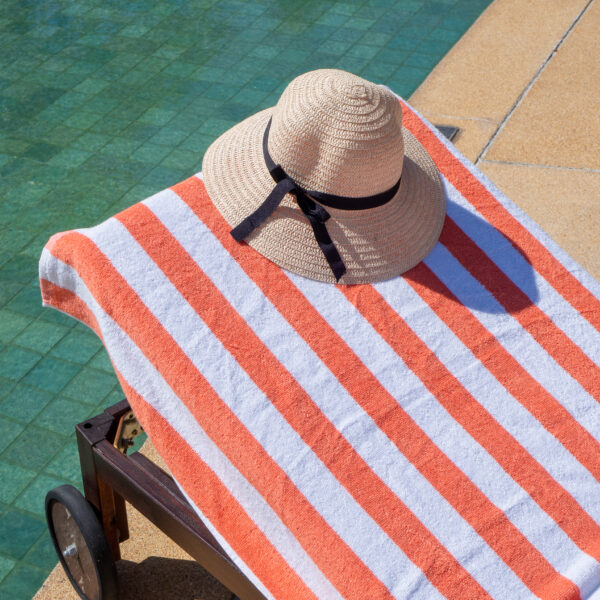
[[81, 545]]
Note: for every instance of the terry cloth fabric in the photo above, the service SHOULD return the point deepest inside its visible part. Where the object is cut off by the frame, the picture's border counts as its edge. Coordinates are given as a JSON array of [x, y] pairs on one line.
[[433, 435]]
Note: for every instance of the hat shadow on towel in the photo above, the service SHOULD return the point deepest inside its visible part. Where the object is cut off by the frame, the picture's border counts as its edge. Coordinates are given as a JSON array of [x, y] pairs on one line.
[[493, 275]]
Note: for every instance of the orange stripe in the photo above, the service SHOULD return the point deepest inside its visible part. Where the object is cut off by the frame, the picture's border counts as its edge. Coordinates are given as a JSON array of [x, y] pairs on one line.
[[484, 201], [422, 548], [558, 345], [218, 505], [199, 481], [509, 454], [68, 302], [329, 552], [503, 366], [489, 521]]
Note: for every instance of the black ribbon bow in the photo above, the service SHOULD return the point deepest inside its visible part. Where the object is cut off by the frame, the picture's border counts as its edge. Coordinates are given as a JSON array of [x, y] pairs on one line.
[[316, 214]]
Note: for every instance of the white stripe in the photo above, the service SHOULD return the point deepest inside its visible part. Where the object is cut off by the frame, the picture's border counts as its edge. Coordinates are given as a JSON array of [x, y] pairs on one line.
[[335, 402], [250, 405], [149, 384], [512, 263], [545, 448], [523, 218], [518, 342]]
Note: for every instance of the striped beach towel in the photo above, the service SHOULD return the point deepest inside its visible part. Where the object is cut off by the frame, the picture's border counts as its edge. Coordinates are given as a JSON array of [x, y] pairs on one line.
[[436, 435]]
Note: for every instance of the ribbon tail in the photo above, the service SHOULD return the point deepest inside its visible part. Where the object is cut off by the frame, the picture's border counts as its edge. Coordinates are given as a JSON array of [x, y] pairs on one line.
[[328, 248], [264, 211]]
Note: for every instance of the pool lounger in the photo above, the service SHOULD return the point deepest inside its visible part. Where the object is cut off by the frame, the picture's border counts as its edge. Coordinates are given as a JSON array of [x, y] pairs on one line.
[[87, 534]]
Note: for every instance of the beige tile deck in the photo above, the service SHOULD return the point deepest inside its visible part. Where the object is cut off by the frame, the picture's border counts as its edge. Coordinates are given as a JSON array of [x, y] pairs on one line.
[[485, 72], [501, 59], [558, 121]]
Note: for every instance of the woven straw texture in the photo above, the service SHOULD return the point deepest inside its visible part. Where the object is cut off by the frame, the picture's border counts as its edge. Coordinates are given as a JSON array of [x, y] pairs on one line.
[[336, 133]]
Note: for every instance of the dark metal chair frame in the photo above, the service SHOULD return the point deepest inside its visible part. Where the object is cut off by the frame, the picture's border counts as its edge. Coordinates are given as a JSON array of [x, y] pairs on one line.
[[110, 477]]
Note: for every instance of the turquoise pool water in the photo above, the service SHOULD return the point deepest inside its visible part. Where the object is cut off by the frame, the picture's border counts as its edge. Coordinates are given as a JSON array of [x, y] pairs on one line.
[[103, 103]]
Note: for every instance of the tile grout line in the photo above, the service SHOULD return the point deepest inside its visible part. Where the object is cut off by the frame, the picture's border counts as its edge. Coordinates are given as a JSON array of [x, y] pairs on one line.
[[525, 91], [538, 166]]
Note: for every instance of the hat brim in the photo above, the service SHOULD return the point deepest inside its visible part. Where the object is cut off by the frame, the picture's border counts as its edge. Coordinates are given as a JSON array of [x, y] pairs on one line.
[[375, 244]]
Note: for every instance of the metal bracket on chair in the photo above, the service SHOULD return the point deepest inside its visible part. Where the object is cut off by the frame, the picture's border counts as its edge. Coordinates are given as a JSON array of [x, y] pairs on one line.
[[128, 428]]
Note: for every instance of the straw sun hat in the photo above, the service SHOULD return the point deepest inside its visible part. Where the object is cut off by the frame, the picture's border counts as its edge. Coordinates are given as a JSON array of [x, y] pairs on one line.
[[327, 183]]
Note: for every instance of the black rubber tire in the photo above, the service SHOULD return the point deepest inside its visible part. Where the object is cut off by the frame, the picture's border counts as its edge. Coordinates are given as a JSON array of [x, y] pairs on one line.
[[90, 530]]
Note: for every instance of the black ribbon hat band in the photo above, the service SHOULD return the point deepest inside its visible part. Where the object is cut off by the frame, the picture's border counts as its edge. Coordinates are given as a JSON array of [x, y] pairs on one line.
[[315, 213]]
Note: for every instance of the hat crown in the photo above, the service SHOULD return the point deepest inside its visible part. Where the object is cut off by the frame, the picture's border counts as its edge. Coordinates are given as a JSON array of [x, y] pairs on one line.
[[337, 133]]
